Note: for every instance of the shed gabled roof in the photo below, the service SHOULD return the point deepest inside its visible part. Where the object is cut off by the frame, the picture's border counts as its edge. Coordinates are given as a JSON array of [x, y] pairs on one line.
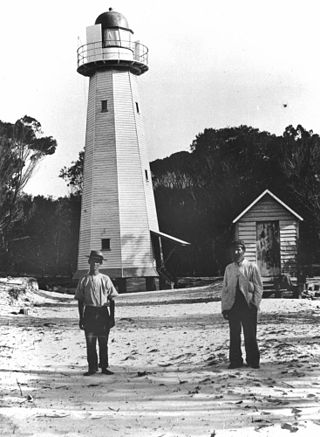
[[259, 198]]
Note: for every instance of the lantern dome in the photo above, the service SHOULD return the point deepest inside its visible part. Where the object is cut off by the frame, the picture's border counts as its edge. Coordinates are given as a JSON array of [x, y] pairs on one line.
[[112, 19]]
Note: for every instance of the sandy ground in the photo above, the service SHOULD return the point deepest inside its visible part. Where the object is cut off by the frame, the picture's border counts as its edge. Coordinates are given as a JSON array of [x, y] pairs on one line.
[[169, 352]]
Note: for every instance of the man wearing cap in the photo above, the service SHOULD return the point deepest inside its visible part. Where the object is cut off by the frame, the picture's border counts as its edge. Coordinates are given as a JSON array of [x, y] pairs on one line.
[[95, 292], [241, 296]]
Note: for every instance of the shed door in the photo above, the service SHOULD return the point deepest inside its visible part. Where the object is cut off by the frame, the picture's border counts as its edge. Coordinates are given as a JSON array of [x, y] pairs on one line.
[[268, 248]]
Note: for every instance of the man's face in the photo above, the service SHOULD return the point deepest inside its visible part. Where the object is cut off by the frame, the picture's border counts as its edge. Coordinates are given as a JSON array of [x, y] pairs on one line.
[[238, 253], [95, 263]]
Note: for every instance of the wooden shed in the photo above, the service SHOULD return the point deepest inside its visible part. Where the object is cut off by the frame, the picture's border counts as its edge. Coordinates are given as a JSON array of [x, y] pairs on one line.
[[270, 229]]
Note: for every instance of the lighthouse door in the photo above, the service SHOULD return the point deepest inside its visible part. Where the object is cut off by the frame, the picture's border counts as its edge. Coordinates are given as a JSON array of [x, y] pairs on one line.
[[268, 248]]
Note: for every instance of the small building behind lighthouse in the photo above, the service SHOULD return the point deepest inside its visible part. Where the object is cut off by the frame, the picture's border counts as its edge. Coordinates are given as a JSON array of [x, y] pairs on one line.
[[118, 213]]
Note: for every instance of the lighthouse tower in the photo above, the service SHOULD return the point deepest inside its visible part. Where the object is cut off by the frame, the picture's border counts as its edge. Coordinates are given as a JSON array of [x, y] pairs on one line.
[[118, 209]]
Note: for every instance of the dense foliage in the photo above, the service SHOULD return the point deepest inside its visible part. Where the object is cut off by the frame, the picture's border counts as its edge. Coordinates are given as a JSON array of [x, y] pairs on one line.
[[22, 147], [44, 241], [198, 194]]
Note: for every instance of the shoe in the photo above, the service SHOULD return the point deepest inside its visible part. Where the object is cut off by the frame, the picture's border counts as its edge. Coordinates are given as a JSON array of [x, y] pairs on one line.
[[235, 365], [89, 372], [255, 366], [106, 372]]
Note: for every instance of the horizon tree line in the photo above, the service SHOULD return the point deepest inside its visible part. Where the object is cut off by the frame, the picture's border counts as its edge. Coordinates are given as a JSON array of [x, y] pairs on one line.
[[197, 193]]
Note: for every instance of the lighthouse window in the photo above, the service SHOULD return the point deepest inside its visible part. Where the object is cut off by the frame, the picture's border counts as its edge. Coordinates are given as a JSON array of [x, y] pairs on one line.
[[137, 108], [146, 174], [117, 38], [125, 37], [105, 244], [111, 38], [104, 105]]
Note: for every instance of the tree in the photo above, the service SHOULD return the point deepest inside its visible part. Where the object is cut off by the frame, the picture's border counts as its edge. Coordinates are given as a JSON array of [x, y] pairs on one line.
[[227, 169], [44, 240], [73, 175], [199, 193], [300, 163], [22, 147]]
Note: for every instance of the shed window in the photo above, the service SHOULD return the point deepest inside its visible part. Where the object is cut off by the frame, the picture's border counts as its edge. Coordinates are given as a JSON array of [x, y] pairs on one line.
[[104, 105], [105, 244]]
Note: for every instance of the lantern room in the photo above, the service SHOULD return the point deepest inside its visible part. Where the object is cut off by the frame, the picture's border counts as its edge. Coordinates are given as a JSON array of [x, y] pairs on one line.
[[110, 45]]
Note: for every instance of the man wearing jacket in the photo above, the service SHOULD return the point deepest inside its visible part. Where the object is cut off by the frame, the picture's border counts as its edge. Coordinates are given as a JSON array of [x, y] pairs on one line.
[[241, 296]]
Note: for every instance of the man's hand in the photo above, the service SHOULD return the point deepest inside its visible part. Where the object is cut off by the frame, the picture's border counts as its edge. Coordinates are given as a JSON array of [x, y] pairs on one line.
[[112, 314], [81, 324], [225, 314]]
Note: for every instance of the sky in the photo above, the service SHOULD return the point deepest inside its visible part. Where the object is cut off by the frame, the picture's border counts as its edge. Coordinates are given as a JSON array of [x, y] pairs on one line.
[[212, 64]]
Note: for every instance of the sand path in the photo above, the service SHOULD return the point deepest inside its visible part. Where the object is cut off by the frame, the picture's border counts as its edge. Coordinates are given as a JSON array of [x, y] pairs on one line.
[[169, 353]]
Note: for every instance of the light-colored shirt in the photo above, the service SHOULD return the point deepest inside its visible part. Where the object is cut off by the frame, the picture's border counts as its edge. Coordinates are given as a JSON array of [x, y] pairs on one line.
[[247, 275], [95, 290]]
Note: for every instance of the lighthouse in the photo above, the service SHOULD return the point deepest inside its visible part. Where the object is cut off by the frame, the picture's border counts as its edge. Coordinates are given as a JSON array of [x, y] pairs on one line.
[[118, 213], [118, 208]]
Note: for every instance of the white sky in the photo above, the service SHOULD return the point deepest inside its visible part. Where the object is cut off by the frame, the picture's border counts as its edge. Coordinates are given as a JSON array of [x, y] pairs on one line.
[[213, 63]]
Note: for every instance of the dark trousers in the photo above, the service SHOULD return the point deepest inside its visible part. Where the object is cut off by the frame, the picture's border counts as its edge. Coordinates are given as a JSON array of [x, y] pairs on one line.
[[92, 356], [245, 317], [96, 327]]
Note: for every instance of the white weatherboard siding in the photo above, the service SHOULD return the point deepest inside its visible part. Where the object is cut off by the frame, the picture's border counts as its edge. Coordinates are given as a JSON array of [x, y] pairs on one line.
[[99, 212], [267, 209], [118, 201], [247, 233], [86, 204], [148, 187], [134, 213]]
